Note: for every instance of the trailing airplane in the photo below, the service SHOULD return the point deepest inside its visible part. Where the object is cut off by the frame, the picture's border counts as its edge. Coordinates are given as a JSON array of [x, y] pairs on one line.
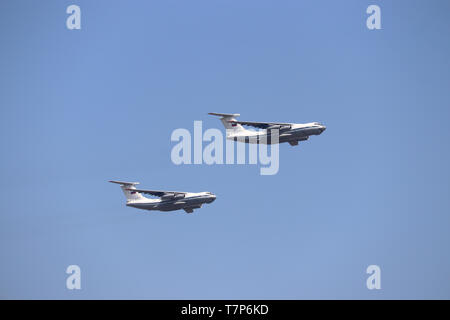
[[287, 132], [168, 200]]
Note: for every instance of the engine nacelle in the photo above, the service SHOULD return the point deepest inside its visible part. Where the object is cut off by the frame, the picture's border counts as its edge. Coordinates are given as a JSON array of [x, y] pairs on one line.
[[279, 127], [179, 196], [173, 196]]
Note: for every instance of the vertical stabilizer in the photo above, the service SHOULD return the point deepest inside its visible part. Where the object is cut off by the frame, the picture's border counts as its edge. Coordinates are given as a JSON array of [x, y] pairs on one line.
[[227, 120], [129, 194]]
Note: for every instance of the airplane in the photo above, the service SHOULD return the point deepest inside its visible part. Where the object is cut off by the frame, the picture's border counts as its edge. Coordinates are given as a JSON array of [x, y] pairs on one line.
[[288, 132], [168, 200]]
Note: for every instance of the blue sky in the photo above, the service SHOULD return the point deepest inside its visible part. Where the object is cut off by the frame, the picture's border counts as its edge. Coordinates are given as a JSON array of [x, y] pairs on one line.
[[80, 107]]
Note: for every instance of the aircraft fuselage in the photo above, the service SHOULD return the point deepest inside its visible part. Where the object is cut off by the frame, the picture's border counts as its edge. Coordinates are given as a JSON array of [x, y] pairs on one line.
[[292, 133], [189, 202]]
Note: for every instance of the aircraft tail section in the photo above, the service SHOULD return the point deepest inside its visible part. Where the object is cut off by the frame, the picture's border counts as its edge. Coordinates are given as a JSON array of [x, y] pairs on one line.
[[227, 120], [129, 194]]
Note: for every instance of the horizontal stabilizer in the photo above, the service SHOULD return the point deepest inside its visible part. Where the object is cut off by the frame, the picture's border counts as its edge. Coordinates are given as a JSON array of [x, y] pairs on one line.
[[226, 115], [124, 183]]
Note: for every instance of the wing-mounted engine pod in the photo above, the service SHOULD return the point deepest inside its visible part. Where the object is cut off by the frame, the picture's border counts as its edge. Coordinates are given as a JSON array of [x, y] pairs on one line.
[[279, 127], [179, 196], [173, 196]]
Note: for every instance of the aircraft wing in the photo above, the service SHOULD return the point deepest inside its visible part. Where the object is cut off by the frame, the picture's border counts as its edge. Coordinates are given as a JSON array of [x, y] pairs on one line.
[[261, 125], [158, 193]]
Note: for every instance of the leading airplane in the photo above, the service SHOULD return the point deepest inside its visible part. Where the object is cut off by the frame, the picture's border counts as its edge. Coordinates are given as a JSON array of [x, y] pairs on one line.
[[287, 132], [168, 200]]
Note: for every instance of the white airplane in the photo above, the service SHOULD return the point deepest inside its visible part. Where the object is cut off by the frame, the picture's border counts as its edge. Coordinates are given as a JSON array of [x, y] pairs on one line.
[[288, 132], [168, 200]]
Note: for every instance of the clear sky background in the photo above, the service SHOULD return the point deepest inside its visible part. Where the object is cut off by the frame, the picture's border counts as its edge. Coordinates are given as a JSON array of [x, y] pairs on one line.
[[80, 107]]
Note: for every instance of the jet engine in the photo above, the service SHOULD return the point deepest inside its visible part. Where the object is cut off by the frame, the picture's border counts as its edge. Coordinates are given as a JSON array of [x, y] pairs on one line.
[[173, 196], [179, 196], [279, 127]]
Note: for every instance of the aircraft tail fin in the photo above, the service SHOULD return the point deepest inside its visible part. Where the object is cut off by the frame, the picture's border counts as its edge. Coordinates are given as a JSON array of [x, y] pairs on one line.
[[127, 188], [226, 118]]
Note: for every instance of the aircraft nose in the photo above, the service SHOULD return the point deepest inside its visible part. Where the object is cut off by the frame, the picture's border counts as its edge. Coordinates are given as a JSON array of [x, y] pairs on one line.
[[323, 128], [213, 197]]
